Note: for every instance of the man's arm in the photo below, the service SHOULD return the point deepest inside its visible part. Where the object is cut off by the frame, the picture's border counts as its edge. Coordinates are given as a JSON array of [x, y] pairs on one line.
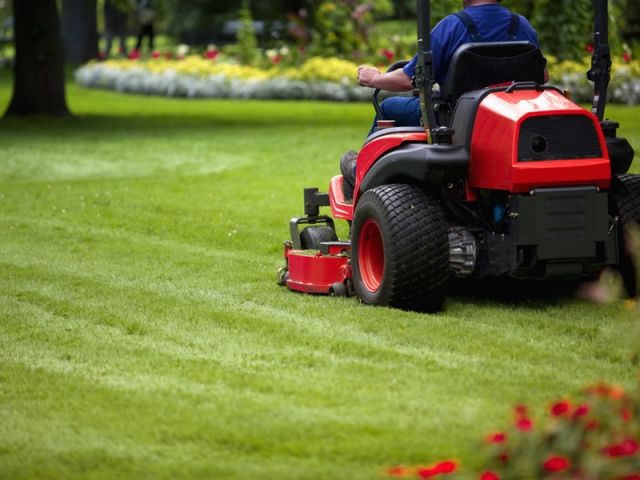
[[396, 81]]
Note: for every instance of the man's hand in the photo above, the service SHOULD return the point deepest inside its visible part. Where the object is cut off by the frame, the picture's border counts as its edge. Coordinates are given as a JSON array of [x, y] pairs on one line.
[[366, 75], [396, 81]]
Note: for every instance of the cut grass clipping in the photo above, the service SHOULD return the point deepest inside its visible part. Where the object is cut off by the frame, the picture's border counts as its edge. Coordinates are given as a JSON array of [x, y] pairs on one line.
[[142, 333]]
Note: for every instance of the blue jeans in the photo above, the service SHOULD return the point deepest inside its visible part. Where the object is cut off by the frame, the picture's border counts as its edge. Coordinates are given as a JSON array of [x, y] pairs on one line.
[[404, 110]]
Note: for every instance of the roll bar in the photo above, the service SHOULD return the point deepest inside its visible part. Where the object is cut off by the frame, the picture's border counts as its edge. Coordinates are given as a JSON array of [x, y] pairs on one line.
[[423, 79], [600, 71]]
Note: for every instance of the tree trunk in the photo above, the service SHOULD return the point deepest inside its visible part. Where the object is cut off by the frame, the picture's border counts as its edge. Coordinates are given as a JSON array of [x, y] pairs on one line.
[[79, 30], [39, 62]]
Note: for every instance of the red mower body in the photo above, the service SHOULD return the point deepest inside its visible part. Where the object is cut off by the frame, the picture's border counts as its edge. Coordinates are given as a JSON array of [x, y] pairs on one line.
[[497, 140]]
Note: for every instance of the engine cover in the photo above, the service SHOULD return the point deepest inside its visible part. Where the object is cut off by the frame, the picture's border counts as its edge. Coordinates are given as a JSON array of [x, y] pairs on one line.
[[531, 138]]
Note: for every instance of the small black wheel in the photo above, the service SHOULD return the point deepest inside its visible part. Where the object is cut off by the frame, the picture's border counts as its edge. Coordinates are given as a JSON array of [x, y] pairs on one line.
[[400, 249], [625, 204], [338, 289], [283, 276], [311, 237]]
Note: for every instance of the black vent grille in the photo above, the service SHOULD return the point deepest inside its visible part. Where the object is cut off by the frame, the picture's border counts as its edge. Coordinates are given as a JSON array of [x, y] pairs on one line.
[[558, 137]]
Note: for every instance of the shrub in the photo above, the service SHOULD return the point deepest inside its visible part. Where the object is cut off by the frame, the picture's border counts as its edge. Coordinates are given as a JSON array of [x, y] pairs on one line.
[[623, 88]]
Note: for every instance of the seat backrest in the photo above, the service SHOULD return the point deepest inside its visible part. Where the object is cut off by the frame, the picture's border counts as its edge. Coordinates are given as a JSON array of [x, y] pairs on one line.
[[475, 66]]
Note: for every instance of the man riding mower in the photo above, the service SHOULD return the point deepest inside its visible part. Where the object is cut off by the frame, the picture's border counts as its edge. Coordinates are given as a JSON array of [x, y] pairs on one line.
[[506, 176]]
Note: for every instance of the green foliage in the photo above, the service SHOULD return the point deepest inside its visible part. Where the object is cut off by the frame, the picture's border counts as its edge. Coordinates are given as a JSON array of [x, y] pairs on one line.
[[594, 435], [343, 29], [564, 27], [247, 45]]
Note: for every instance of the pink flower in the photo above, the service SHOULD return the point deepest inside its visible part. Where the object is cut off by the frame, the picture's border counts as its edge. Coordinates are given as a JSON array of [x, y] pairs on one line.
[[556, 464], [276, 59], [498, 437], [627, 447], [560, 408], [155, 54], [211, 54], [489, 476], [589, 48], [134, 54], [626, 57]]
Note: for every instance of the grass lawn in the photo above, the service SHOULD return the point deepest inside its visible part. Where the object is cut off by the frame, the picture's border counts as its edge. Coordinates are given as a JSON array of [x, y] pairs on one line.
[[142, 333]]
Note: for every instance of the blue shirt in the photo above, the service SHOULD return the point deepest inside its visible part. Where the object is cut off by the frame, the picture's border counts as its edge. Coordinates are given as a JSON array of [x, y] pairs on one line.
[[492, 22]]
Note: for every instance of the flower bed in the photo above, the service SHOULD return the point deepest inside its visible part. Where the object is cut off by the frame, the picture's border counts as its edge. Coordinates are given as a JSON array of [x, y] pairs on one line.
[[593, 437], [197, 77], [314, 79]]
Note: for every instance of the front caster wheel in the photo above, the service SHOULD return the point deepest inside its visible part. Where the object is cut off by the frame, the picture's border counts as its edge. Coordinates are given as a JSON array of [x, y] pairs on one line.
[[338, 289], [400, 249]]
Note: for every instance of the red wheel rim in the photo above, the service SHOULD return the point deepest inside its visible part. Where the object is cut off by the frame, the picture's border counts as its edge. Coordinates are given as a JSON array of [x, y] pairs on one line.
[[371, 255]]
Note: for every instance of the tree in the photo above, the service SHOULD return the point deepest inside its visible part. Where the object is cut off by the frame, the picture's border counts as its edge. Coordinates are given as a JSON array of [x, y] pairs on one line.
[[79, 30], [39, 61]]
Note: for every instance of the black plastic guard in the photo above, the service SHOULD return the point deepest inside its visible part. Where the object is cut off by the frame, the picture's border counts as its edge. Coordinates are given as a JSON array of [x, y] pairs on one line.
[[562, 232], [620, 154], [418, 163]]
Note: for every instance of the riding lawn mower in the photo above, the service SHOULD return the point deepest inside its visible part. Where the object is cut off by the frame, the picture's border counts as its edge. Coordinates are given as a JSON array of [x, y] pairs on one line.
[[506, 177]]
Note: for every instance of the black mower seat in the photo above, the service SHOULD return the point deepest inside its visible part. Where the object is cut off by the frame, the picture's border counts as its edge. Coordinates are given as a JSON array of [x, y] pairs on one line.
[[478, 65]]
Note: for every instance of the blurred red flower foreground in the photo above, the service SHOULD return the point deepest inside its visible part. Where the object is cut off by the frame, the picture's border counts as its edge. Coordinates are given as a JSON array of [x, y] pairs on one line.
[[594, 437]]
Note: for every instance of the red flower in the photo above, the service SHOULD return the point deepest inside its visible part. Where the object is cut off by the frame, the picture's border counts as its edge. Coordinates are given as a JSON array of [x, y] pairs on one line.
[[387, 54], [520, 411], [616, 392], [439, 469], [211, 54], [134, 54], [102, 55], [627, 447], [489, 476], [301, 48], [556, 464], [496, 437], [589, 48], [581, 410], [560, 408], [634, 476], [277, 59], [503, 457], [626, 57], [156, 55], [524, 424], [626, 414], [398, 472], [167, 55]]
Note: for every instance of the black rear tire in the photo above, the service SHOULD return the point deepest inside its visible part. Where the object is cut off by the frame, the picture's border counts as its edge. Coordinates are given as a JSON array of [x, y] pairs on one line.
[[625, 204], [400, 249], [311, 237]]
